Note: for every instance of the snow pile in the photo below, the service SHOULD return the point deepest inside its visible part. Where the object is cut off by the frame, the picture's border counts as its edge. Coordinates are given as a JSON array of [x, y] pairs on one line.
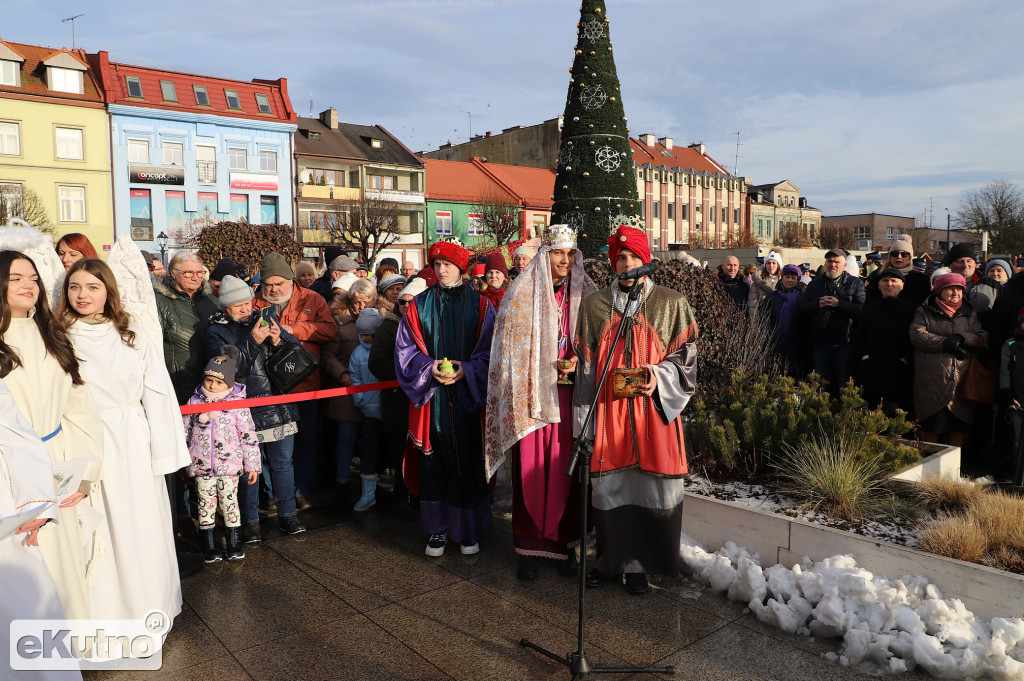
[[886, 625]]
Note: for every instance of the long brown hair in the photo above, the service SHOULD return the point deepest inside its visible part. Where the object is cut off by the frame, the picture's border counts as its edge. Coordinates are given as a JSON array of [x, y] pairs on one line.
[[112, 309], [55, 337]]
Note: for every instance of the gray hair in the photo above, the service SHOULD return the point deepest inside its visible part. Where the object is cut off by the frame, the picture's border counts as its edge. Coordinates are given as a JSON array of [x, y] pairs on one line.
[[182, 257], [363, 288]]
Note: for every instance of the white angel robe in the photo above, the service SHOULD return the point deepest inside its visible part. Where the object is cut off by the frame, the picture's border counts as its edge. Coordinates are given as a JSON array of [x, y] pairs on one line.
[[143, 440], [47, 398]]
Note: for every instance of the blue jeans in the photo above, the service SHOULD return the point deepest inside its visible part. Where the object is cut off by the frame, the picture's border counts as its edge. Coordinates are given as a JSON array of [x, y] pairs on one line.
[[348, 433], [305, 447], [830, 364], [277, 457]]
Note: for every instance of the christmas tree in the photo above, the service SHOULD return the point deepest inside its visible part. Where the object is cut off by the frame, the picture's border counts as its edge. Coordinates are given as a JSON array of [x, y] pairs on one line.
[[595, 190]]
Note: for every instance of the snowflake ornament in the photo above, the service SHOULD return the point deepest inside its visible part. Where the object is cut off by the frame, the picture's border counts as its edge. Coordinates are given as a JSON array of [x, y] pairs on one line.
[[592, 29], [593, 97], [565, 156], [607, 159], [574, 219]]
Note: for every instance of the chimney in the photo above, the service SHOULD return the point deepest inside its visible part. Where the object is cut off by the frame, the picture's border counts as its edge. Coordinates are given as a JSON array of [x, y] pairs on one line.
[[699, 146], [330, 118], [647, 139], [665, 142], [488, 134]]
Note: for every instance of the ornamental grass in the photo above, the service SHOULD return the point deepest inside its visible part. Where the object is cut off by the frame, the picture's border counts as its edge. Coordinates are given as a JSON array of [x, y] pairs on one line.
[[988, 528]]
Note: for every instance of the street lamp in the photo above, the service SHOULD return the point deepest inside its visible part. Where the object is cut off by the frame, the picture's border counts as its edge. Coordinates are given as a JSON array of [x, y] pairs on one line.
[[161, 239]]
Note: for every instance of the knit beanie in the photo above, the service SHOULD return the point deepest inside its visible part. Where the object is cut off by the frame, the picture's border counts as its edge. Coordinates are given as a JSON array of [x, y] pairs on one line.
[[369, 320], [344, 281], [496, 261], [389, 281], [274, 265], [416, 286], [902, 243], [791, 269], [224, 267], [1002, 263], [774, 255], [233, 291], [959, 251], [224, 366]]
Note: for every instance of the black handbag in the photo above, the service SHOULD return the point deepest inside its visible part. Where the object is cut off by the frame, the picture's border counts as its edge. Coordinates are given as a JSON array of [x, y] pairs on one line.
[[289, 366]]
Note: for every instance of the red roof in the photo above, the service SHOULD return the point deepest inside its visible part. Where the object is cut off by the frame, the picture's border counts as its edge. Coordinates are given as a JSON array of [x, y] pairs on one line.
[[676, 158], [469, 182], [113, 76], [33, 74]]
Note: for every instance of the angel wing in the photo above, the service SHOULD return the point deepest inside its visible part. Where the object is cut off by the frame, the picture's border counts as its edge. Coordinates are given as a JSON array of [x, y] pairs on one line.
[[136, 287], [18, 235]]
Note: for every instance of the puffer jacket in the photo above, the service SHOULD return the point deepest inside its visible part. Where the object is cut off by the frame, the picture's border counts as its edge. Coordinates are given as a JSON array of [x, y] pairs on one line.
[[252, 365], [310, 320], [938, 375], [223, 442], [184, 322], [368, 403], [394, 402], [983, 292], [832, 326]]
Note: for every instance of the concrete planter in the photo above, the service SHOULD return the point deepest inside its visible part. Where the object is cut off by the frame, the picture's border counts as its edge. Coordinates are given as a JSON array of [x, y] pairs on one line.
[[938, 461], [777, 539]]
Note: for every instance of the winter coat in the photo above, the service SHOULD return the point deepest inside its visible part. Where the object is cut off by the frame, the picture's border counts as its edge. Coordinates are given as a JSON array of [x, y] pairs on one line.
[[252, 365], [736, 288], [832, 325], [368, 403], [323, 286], [983, 293], [759, 289], [336, 355], [938, 375], [394, 402], [881, 355], [226, 443], [1002, 319], [310, 320], [184, 322], [786, 335], [916, 286]]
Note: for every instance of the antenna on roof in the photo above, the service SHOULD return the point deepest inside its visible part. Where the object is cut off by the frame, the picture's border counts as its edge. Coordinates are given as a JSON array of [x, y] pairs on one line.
[[72, 20], [736, 162], [310, 103]]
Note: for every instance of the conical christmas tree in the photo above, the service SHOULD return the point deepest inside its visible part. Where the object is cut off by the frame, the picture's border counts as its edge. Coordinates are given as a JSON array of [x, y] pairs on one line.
[[595, 190]]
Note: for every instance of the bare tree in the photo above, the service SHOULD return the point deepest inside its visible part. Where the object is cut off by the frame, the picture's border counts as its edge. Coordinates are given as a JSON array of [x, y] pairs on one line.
[[791, 235], [367, 225], [17, 201], [835, 236], [996, 208], [921, 235], [500, 217]]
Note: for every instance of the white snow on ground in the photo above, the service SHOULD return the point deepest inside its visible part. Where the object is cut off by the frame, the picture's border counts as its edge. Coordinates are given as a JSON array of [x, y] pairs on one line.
[[887, 625]]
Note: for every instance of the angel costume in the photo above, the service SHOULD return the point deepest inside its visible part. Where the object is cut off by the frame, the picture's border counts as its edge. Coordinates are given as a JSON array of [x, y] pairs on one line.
[[529, 415], [639, 457], [26, 484]]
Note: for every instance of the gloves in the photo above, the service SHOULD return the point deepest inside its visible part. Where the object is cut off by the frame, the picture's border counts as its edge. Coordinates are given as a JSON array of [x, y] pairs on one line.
[[954, 346]]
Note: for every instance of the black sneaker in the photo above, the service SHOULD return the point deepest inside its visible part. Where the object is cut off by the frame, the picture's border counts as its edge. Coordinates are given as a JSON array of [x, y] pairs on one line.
[[636, 583], [290, 524], [251, 533], [527, 568], [435, 547]]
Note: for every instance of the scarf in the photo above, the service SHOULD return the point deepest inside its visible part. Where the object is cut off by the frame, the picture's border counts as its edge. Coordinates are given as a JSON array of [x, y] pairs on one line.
[[949, 308], [786, 314], [205, 416]]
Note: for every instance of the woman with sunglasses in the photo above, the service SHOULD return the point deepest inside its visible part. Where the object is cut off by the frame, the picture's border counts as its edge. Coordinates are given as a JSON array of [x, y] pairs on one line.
[[916, 285]]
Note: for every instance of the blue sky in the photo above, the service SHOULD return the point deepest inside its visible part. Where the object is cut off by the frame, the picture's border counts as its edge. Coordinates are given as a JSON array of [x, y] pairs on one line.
[[865, 105]]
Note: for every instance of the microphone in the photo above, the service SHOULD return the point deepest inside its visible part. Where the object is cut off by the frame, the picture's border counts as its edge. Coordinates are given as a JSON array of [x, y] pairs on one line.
[[638, 272]]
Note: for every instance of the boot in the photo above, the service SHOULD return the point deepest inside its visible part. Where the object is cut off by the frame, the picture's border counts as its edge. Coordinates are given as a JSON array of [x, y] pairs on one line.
[[234, 541], [207, 543], [369, 497]]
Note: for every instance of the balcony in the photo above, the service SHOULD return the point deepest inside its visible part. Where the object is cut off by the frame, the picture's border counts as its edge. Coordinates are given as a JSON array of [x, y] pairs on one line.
[[396, 196], [207, 171], [316, 191]]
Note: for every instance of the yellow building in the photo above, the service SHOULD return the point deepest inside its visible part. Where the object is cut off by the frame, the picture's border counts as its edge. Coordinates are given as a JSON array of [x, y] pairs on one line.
[[55, 140]]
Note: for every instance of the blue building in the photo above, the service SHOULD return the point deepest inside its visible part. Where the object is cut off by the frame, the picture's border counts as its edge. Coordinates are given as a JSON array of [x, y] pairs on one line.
[[189, 150]]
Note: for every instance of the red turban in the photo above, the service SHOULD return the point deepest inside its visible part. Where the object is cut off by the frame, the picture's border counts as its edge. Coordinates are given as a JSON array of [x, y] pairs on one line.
[[630, 238], [452, 252]]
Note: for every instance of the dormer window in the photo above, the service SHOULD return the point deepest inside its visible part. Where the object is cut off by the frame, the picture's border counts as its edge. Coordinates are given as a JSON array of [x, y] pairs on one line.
[[232, 99], [134, 84], [10, 73], [314, 135], [263, 103], [167, 91], [64, 80], [376, 143]]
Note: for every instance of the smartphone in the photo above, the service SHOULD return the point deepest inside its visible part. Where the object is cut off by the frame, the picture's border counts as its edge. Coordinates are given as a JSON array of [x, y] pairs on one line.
[[266, 316]]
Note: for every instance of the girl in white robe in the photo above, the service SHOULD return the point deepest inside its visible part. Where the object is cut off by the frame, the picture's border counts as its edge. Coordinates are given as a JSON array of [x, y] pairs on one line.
[[143, 440], [38, 364], [26, 486]]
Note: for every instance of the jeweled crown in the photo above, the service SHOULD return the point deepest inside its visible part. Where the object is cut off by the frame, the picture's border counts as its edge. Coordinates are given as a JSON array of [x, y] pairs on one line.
[[558, 234]]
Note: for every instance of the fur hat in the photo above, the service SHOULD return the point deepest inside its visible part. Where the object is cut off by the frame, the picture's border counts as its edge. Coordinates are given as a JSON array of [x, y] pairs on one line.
[[388, 261], [274, 265], [452, 252], [368, 321], [233, 291], [224, 366], [902, 243]]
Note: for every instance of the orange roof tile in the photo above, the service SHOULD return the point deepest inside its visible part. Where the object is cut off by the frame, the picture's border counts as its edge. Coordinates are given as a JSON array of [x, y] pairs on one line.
[[533, 185], [676, 158], [458, 181], [33, 74]]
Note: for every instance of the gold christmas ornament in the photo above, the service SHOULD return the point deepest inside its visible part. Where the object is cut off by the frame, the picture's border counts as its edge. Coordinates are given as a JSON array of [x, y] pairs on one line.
[[565, 186], [586, 174], [611, 99], [591, 125], [598, 10], [579, 51], [592, 53]]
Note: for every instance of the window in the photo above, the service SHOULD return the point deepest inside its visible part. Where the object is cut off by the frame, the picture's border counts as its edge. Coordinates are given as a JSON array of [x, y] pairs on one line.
[[65, 80], [202, 96], [376, 143], [760, 227], [69, 144], [239, 207], [174, 201], [862, 232], [9, 72], [10, 139], [138, 151], [330, 222], [168, 91], [72, 204], [725, 216], [672, 210], [736, 216], [711, 214], [443, 221], [173, 155], [268, 161], [139, 203], [380, 182], [268, 210], [206, 164], [319, 176], [768, 228], [656, 210], [233, 101], [134, 84], [263, 103], [475, 222], [237, 159], [890, 233], [686, 211]]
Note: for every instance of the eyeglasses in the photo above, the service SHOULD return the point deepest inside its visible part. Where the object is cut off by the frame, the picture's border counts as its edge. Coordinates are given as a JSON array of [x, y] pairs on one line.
[[192, 274], [899, 254]]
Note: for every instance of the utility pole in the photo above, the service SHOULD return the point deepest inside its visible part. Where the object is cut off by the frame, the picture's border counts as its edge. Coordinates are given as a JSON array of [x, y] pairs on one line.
[[947, 230], [72, 20], [311, 104], [470, 123], [736, 162]]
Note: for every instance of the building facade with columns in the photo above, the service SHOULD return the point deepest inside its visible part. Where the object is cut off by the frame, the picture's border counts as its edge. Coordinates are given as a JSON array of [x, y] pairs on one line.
[[780, 216]]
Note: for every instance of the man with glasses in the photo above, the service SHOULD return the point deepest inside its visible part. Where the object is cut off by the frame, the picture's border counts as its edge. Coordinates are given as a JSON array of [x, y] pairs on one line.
[[916, 285]]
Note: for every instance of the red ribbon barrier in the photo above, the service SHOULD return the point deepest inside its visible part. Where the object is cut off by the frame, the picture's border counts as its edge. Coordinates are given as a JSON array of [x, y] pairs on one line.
[[284, 399]]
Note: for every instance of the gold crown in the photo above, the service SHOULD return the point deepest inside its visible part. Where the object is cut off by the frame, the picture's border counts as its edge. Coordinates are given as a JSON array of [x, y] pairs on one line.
[[558, 234]]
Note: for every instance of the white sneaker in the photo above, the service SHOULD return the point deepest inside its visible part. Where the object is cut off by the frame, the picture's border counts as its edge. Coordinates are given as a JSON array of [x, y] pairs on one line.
[[435, 547], [470, 550]]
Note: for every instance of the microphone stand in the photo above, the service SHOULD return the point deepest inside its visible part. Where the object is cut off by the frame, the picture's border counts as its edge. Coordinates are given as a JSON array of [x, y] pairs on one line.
[[576, 660]]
